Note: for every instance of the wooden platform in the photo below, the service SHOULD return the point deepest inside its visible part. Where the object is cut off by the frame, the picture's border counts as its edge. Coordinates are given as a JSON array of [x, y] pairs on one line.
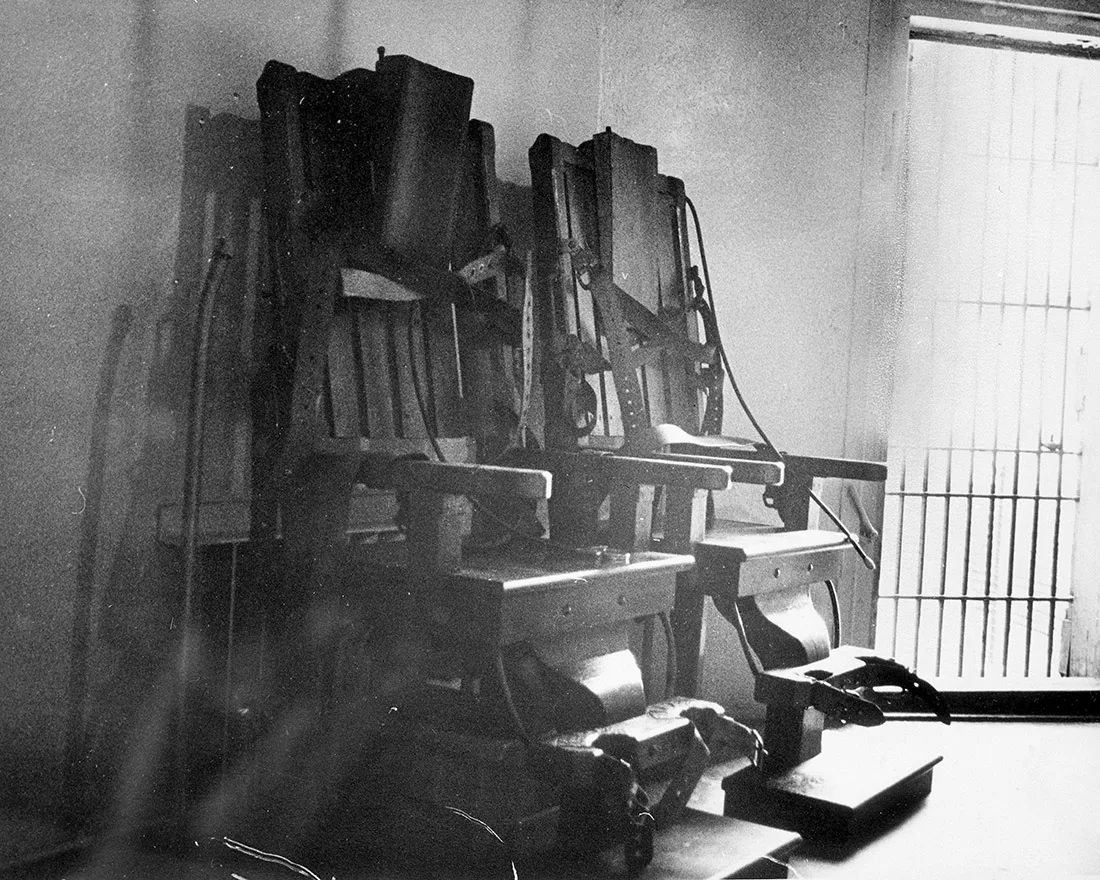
[[700, 846], [859, 780]]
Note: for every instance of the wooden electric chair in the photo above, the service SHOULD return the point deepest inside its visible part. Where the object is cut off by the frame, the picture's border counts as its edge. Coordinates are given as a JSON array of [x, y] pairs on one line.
[[515, 720], [633, 361]]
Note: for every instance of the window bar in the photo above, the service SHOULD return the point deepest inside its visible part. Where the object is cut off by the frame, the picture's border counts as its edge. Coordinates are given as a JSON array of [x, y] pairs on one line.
[[953, 370], [1054, 307], [1055, 550], [993, 496], [923, 530], [969, 534], [1015, 501], [992, 522], [990, 525], [1061, 452], [1032, 565], [1039, 456], [1014, 509], [921, 544], [947, 509], [979, 319], [982, 448], [965, 599]]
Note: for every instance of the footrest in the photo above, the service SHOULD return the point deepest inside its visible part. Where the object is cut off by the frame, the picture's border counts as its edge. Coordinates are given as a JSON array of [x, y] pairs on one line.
[[860, 779], [700, 845]]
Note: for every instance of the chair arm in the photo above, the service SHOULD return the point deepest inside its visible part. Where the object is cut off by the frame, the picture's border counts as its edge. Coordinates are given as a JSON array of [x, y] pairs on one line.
[[796, 465], [742, 470], [836, 468], [650, 470], [469, 479]]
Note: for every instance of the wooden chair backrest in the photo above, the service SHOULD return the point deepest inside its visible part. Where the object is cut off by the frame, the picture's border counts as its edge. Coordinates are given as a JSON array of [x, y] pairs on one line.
[[607, 196], [349, 366]]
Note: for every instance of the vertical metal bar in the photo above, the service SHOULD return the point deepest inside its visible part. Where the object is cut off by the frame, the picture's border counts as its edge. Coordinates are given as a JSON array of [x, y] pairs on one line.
[[941, 153], [1030, 607], [944, 551], [1065, 375], [921, 545], [996, 421], [969, 530], [1014, 502]]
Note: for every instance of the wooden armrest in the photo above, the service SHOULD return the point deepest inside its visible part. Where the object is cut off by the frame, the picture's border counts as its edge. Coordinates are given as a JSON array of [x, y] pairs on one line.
[[836, 468], [377, 456], [742, 470], [796, 465], [655, 470], [469, 479], [674, 474]]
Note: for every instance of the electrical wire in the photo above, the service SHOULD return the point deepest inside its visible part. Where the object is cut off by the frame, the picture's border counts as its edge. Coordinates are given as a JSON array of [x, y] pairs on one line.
[[834, 602], [771, 447]]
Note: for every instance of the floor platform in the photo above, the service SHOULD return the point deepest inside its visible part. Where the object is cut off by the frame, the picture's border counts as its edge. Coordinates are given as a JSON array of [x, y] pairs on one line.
[[861, 778]]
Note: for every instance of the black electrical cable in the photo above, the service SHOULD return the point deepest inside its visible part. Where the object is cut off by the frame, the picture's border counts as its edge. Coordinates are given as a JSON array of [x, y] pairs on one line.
[[867, 561], [834, 602], [413, 322]]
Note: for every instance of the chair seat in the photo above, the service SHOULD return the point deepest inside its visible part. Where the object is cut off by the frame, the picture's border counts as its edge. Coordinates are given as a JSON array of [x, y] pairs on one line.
[[741, 559], [742, 541], [541, 591]]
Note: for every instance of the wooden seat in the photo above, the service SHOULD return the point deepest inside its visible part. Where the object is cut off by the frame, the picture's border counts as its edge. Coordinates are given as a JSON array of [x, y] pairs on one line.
[[633, 362]]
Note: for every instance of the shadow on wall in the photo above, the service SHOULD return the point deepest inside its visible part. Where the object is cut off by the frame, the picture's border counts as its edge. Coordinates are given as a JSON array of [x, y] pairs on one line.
[[125, 630], [140, 606], [130, 742]]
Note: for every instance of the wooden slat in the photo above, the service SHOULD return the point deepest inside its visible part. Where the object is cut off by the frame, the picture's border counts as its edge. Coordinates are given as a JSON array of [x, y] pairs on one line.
[[407, 344], [441, 370], [343, 375], [470, 479], [376, 368]]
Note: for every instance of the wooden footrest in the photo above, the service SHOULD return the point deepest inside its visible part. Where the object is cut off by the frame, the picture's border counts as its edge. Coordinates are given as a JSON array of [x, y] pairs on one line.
[[860, 779], [699, 845]]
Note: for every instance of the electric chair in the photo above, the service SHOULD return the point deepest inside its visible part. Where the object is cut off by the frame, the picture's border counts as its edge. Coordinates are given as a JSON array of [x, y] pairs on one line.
[[513, 719], [633, 361]]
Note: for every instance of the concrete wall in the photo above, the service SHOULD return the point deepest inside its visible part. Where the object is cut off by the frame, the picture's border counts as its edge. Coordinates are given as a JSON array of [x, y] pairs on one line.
[[772, 113]]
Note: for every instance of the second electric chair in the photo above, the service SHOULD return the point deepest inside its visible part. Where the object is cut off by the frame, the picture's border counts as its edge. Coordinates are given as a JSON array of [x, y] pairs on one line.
[[633, 362]]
